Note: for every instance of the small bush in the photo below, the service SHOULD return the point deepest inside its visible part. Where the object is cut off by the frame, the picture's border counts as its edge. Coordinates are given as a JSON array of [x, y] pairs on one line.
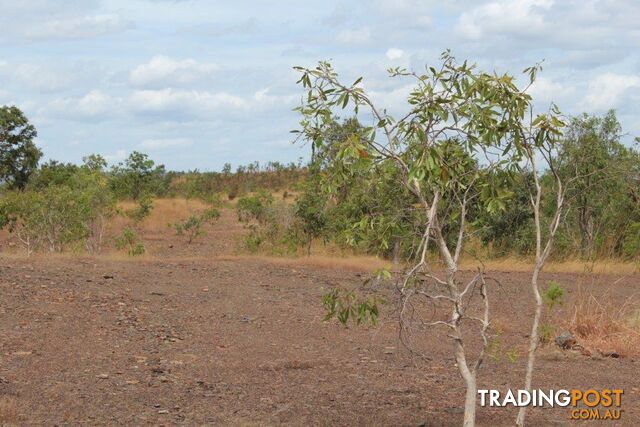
[[547, 333], [142, 210], [131, 242], [192, 226], [552, 296], [270, 225]]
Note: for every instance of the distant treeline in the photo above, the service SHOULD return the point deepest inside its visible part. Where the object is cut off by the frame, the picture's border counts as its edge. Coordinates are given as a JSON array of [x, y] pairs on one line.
[[273, 176], [53, 205]]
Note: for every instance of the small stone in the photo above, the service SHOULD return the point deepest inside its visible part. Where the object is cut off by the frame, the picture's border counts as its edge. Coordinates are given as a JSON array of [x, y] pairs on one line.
[[103, 376], [566, 340], [163, 411], [205, 289]]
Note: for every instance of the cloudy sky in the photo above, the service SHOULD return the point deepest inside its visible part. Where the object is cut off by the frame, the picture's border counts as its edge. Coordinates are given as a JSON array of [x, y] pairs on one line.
[[197, 83]]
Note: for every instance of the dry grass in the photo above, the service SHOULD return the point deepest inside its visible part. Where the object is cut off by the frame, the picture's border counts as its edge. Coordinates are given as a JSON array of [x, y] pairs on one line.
[[164, 211], [607, 328], [353, 263], [8, 411], [569, 266], [167, 211]]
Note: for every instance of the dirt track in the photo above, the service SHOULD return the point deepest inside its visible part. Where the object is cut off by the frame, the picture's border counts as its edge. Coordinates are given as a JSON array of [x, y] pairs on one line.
[[242, 342]]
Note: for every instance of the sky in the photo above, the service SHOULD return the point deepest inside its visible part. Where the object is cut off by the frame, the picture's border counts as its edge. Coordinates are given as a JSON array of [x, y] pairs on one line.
[[196, 84]]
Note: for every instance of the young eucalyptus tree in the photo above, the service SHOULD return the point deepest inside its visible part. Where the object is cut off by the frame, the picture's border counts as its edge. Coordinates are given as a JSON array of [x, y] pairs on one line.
[[537, 160], [464, 132]]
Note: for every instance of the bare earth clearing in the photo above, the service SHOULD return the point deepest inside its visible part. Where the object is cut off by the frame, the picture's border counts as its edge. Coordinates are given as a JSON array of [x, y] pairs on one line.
[[198, 339]]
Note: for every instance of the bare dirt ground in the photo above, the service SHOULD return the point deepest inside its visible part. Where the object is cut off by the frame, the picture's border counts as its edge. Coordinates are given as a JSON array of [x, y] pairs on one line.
[[185, 337]]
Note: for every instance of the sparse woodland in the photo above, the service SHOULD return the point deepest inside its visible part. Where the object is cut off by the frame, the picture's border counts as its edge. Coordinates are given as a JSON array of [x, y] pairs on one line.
[[469, 174]]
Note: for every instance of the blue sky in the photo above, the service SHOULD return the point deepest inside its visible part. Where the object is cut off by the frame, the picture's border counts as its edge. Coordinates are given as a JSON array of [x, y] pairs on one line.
[[198, 83]]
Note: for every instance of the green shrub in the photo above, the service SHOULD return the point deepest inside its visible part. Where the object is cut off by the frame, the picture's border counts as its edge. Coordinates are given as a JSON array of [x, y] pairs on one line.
[[142, 210], [192, 226], [56, 216], [270, 225], [632, 242], [131, 242], [552, 295]]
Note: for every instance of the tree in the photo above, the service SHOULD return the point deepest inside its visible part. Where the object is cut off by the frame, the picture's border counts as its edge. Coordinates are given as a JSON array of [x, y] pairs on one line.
[[19, 155], [51, 217], [94, 162], [138, 176], [97, 201], [50, 173], [456, 115], [544, 150], [63, 204], [309, 211], [598, 169]]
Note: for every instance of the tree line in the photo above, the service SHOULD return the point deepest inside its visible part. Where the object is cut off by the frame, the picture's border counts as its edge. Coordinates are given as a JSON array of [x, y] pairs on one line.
[[375, 216]]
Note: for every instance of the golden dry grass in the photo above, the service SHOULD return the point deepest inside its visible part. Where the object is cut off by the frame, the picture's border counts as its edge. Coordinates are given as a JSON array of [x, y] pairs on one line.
[[569, 266], [354, 263], [605, 327], [164, 211], [170, 210]]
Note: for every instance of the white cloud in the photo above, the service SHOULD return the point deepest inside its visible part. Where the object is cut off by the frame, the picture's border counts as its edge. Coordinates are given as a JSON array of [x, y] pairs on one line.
[[160, 144], [93, 105], [263, 98], [163, 70], [79, 27], [545, 90], [394, 100], [406, 13], [358, 36], [394, 53], [184, 102], [503, 16], [41, 78], [608, 89], [118, 156]]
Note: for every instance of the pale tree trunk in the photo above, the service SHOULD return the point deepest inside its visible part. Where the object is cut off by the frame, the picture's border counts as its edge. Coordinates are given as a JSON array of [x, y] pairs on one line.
[[396, 253], [542, 253], [533, 340], [470, 382]]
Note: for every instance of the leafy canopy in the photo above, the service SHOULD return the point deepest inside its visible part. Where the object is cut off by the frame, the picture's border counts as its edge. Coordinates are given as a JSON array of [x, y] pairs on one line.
[[19, 155]]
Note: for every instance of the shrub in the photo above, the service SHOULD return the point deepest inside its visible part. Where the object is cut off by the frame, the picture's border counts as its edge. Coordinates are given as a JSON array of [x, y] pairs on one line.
[[632, 242], [50, 218], [137, 177], [131, 242], [552, 295], [192, 226], [142, 210], [62, 206], [270, 225], [311, 220]]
